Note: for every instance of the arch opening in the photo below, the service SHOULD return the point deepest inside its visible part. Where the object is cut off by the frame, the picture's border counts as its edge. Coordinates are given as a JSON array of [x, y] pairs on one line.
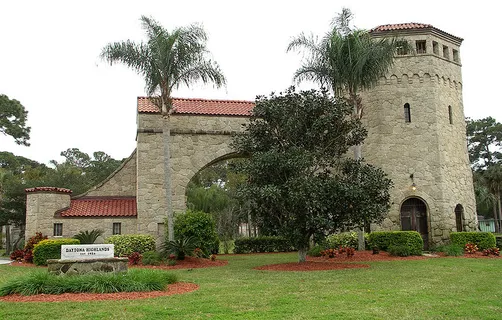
[[414, 218]]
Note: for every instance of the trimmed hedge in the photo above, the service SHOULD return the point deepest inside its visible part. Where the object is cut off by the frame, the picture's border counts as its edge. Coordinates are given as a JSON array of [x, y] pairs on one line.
[[412, 240], [484, 240], [50, 249], [125, 244], [262, 244]]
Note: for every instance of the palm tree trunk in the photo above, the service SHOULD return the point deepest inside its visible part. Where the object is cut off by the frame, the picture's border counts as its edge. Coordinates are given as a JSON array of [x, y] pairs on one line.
[[166, 132], [498, 221], [357, 156]]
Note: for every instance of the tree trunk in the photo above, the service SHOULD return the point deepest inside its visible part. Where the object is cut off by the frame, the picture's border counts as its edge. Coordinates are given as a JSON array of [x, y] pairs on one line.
[[7, 240], [166, 132], [302, 254], [499, 220], [1, 237], [495, 214], [357, 156]]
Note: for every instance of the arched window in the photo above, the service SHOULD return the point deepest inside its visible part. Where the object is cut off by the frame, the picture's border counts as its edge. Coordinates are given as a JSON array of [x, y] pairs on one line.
[[407, 112], [450, 115], [459, 217]]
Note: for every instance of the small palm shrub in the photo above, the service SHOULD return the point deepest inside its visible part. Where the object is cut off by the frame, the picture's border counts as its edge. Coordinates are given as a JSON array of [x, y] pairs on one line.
[[180, 247], [88, 237]]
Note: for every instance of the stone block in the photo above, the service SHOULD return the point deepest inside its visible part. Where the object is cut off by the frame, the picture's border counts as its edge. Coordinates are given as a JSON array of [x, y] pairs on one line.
[[75, 267]]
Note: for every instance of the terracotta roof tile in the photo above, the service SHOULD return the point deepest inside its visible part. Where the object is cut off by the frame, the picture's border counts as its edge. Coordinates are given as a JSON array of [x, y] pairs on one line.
[[201, 107], [401, 26], [101, 207], [48, 189]]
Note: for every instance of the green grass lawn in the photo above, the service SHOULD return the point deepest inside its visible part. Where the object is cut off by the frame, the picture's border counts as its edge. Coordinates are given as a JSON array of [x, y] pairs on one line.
[[438, 288]]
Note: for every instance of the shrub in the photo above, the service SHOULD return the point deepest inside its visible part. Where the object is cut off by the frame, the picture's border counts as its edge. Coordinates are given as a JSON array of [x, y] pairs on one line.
[[86, 237], [42, 282], [50, 249], [180, 246], [135, 258], [315, 251], [151, 258], [28, 248], [484, 240], [453, 250], [125, 244], [329, 253], [498, 241], [412, 240], [344, 239], [471, 248], [17, 255], [350, 251], [201, 227], [212, 257], [262, 244], [399, 250]]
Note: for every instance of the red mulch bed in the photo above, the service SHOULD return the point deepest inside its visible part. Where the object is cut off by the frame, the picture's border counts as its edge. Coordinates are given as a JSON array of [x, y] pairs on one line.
[[176, 288], [476, 255], [188, 263], [367, 256]]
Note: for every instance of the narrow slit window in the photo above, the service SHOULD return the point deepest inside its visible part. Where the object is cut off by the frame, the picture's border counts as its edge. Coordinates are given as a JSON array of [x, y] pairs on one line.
[[446, 52], [58, 230], [117, 228], [407, 112], [435, 48], [420, 45], [455, 56], [450, 115]]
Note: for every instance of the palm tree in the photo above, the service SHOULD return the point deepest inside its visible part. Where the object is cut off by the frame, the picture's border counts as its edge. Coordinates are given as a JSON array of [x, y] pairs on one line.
[[166, 61], [345, 61]]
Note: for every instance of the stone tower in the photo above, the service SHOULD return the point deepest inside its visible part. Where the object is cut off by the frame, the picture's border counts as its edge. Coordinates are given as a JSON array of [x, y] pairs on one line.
[[416, 133]]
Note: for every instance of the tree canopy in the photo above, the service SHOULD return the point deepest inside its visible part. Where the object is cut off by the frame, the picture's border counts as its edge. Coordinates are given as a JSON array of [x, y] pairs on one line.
[[300, 182], [13, 117], [484, 139]]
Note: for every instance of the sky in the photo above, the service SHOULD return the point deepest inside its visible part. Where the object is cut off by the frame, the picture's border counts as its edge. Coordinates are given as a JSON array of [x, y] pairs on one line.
[[49, 58]]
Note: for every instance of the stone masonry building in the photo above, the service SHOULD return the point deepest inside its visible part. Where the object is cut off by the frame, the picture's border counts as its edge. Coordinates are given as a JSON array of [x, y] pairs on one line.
[[416, 134]]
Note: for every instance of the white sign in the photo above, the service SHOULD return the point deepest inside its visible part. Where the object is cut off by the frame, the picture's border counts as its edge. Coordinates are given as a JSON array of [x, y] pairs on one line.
[[86, 251]]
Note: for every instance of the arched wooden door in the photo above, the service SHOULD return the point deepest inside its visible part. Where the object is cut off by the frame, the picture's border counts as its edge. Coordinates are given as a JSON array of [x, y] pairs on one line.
[[414, 218]]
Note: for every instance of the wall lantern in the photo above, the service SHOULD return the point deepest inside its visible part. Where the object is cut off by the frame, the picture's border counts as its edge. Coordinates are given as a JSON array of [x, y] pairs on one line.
[[413, 185]]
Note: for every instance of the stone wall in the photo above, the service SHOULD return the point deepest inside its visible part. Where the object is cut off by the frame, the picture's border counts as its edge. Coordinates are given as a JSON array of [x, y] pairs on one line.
[[195, 142], [40, 209], [72, 226], [122, 182]]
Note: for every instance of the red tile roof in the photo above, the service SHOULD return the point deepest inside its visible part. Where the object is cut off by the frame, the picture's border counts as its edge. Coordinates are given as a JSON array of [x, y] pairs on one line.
[[101, 207], [410, 26], [48, 189], [201, 107], [401, 26]]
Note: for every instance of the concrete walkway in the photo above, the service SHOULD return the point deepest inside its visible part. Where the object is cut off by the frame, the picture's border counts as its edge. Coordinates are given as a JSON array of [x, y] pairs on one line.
[[5, 261]]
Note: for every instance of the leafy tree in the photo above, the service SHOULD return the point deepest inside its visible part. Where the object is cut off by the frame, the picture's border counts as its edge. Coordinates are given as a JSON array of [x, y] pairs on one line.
[[13, 118], [299, 180], [493, 180], [346, 61], [166, 61], [484, 139]]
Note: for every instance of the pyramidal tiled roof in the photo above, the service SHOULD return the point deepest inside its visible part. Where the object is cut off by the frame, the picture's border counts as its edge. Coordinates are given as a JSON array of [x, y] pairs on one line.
[[401, 26], [101, 207], [200, 107]]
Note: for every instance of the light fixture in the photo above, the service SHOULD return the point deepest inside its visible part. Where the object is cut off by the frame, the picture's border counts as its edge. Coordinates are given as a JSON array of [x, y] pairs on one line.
[[413, 185]]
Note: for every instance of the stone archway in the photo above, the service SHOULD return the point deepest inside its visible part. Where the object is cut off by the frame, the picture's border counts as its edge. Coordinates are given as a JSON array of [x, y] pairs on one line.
[[414, 218]]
